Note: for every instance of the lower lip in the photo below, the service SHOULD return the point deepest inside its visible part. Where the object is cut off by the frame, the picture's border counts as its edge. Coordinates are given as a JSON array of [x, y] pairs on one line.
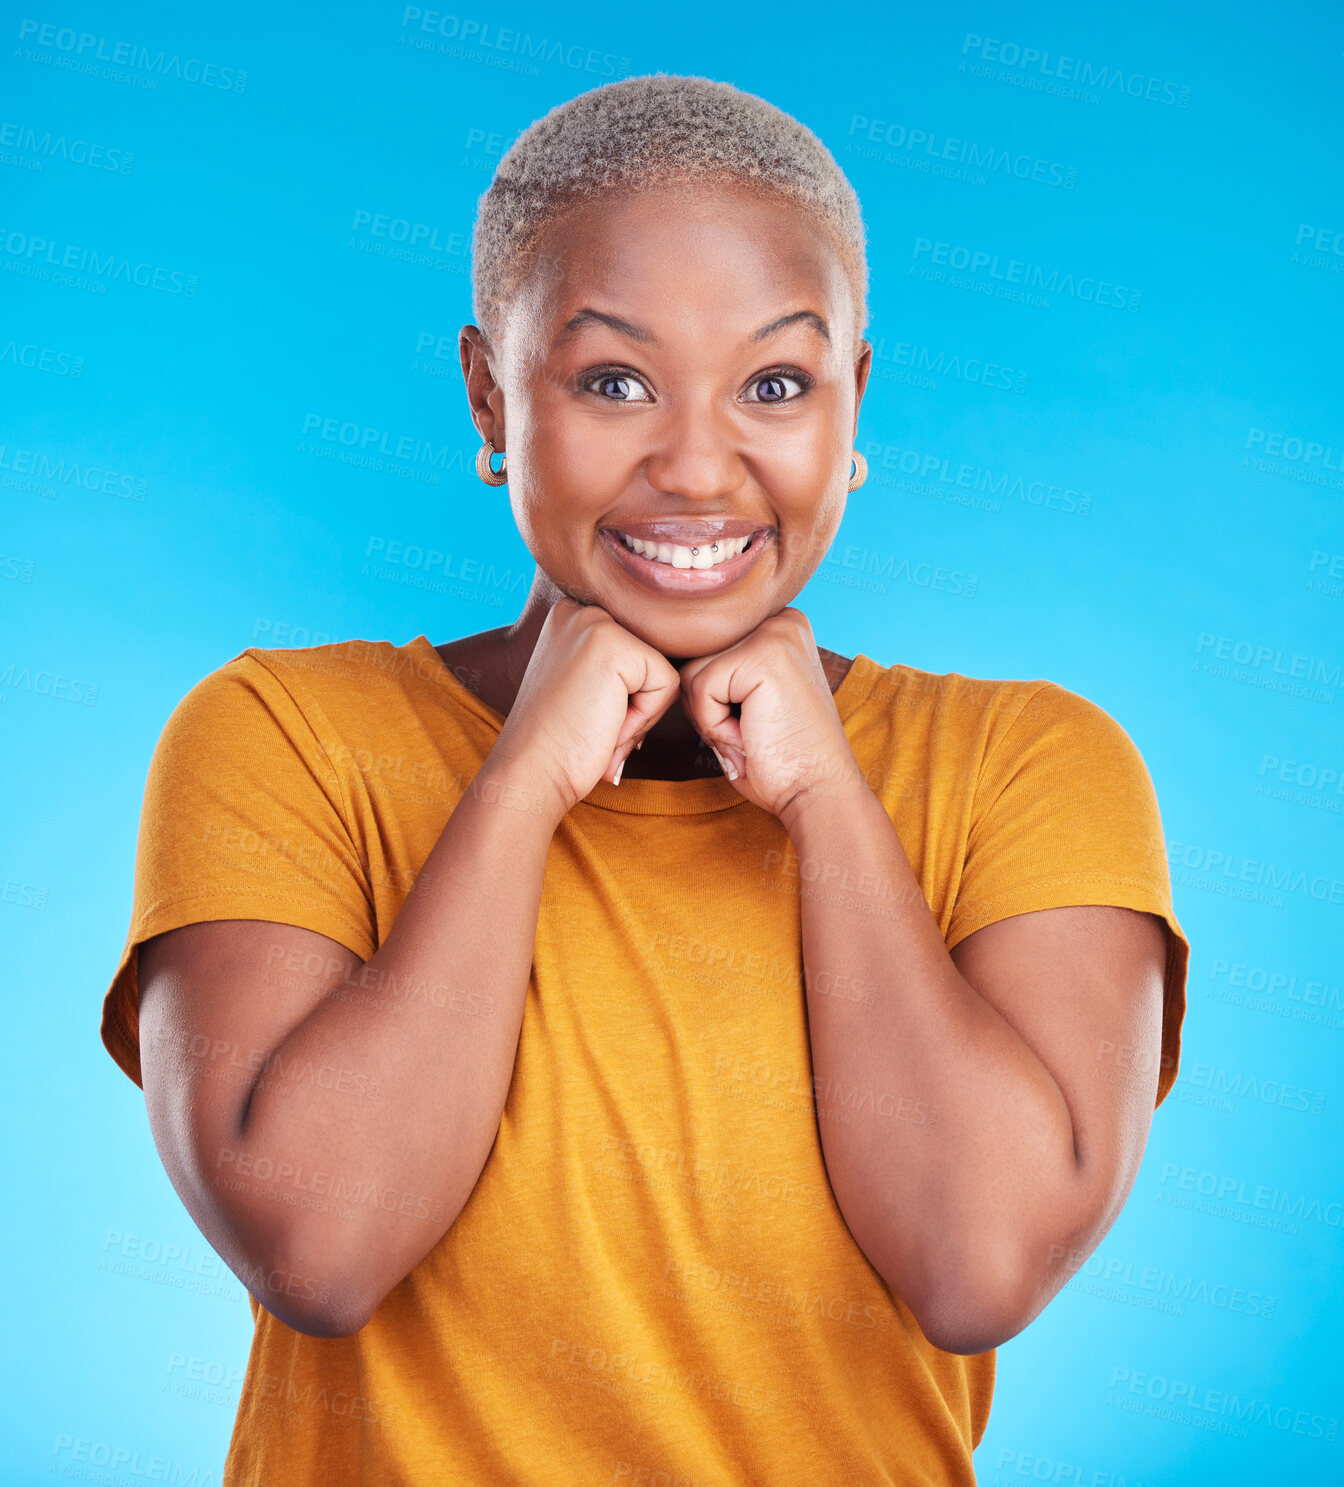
[[663, 578]]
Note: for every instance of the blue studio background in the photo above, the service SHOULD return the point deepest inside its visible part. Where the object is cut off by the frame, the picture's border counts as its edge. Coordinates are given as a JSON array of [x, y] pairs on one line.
[[1125, 454]]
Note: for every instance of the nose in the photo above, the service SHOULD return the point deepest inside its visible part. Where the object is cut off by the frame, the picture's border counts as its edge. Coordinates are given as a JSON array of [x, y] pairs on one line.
[[696, 453]]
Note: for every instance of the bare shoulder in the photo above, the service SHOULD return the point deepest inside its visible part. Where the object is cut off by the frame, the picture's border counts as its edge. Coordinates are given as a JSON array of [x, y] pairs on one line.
[[470, 650], [835, 665], [482, 658]]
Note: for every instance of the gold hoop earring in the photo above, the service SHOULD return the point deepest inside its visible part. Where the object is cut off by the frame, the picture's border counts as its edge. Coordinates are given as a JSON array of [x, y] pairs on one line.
[[486, 470], [860, 470]]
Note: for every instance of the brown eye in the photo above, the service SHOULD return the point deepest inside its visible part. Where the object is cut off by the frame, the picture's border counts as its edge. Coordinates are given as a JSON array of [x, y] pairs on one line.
[[615, 385], [773, 386]]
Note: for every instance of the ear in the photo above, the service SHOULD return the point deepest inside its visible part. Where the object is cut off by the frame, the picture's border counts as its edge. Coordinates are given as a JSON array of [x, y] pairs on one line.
[[483, 390], [862, 366]]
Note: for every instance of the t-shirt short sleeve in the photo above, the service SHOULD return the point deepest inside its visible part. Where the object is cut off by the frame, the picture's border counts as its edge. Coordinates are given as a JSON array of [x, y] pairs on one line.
[[243, 818], [1065, 813]]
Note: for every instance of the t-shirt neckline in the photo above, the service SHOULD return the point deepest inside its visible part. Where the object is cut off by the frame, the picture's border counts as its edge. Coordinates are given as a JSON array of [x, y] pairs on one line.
[[638, 797]]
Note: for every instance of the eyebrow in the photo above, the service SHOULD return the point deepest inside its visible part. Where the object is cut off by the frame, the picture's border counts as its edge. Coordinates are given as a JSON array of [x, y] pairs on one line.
[[643, 334], [808, 317]]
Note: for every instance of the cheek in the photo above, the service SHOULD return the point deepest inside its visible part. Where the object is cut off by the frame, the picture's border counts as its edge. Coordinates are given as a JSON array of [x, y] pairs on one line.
[[805, 480], [573, 463], [801, 457], [811, 527]]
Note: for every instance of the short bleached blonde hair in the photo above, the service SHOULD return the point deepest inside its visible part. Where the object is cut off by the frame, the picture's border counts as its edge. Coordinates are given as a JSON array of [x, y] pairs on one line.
[[646, 131]]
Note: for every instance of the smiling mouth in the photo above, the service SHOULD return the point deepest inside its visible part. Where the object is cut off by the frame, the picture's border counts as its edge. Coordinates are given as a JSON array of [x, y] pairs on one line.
[[708, 553], [703, 559]]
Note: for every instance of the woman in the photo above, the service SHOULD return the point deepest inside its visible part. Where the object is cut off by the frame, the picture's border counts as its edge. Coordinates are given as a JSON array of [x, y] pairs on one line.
[[577, 1114]]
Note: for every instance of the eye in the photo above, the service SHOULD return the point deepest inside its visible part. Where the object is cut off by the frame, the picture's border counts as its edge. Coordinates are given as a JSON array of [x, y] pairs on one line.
[[615, 385], [776, 380]]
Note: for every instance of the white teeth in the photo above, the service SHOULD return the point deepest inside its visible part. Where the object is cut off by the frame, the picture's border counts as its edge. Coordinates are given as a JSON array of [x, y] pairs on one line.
[[705, 555]]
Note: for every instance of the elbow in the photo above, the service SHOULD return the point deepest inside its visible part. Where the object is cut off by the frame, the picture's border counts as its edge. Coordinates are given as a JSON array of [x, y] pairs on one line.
[[970, 1329], [323, 1279], [324, 1320], [326, 1313], [314, 1292], [328, 1284], [973, 1308]]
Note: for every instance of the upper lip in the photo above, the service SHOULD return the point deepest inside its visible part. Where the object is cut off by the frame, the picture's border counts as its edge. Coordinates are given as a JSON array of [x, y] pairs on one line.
[[689, 533]]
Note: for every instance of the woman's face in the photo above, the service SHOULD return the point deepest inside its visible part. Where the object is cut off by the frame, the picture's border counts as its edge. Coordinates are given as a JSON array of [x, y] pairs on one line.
[[647, 387]]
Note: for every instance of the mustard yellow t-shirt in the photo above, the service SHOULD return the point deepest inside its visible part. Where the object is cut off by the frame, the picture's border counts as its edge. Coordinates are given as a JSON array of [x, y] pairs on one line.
[[651, 1282]]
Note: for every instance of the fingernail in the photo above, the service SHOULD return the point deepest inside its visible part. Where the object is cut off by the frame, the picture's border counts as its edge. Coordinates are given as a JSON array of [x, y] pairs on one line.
[[616, 780], [724, 765], [640, 744]]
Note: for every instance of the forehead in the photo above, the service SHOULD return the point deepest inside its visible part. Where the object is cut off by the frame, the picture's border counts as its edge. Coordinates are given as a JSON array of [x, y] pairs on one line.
[[695, 255]]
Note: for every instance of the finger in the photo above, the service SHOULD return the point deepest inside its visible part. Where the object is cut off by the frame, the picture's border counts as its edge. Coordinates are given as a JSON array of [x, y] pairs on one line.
[[612, 773], [733, 769], [705, 687], [652, 685], [707, 699], [729, 736], [691, 669]]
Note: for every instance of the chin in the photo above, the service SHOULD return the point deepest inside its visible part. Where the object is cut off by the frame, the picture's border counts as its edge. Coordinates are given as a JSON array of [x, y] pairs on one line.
[[688, 637]]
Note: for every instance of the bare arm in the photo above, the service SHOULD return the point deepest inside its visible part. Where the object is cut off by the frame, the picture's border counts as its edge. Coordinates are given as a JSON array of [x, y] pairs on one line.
[[969, 1134], [325, 1120]]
